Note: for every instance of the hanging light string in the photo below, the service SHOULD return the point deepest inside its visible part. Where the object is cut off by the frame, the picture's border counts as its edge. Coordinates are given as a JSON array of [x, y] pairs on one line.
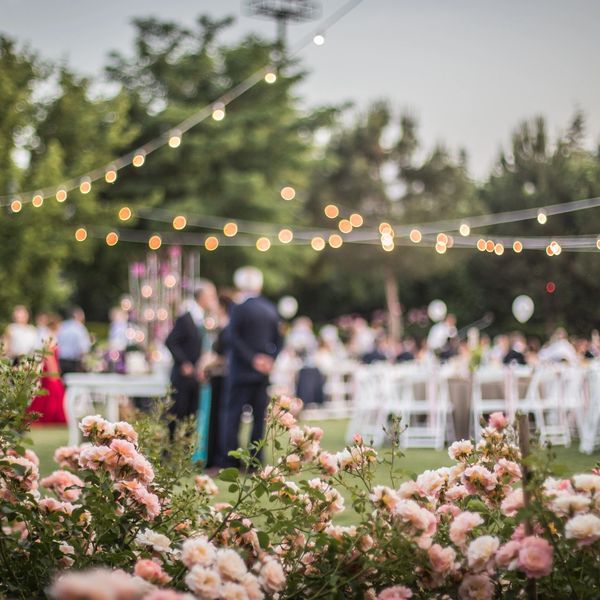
[[172, 137]]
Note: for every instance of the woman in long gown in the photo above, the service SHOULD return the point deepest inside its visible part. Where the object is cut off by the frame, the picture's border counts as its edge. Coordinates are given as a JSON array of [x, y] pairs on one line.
[[50, 405]]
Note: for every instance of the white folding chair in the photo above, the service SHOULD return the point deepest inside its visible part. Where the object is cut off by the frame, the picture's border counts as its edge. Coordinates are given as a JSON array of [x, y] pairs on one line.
[[573, 385], [545, 400], [490, 393], [590, 429]]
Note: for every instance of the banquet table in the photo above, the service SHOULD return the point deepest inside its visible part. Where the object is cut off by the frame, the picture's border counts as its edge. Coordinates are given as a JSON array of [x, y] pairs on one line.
[[85, 388]]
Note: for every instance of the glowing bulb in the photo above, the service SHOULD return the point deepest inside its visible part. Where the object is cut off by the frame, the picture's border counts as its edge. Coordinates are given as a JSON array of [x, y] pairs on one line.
[[263, 244], [499, 249], [517, 246], [415, 236], [440, 248], [542, 217], [270, 75], [335, 240], [81, 234], [288, 193], [387, 238], [162, 314], [356, 220], [112, 238], [146, 290], [175, 140], [170, 281], [16, 206], [345, 226], [179, 222], [389, 246], [37, 200], [489, 245], [317, 243], [110, 176], [125, 213], [211, 243], [61, 195], [139, 159], [549, 250], [442, 238], [285, 236], [331, 211], [481, 245], [464, 230], [85, 186], [218, 113], [155, 242], [230, 229], [598, 243], [148, 314], [556, 247], [319, 39], [385, 228]]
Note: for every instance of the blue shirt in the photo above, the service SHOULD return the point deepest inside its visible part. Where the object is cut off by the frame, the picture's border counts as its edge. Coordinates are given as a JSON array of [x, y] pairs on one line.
[[73, 340]]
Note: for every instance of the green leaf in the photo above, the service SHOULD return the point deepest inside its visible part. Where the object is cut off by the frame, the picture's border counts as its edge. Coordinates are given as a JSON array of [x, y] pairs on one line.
[[230, 474], [263, 539]]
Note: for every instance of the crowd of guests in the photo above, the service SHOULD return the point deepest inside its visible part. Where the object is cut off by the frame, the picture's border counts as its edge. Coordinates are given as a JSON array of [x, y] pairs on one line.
[[63, 344]]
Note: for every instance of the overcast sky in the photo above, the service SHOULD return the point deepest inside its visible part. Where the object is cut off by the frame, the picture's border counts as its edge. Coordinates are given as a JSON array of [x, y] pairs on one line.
[[469, 69]]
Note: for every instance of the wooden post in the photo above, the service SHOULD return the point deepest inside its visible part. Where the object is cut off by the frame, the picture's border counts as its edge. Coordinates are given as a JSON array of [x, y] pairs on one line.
[[523, 429]]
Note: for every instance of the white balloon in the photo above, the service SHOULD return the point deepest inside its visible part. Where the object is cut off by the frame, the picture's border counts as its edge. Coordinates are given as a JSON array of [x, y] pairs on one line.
[[522, 308], [287, 307], [437, 310]]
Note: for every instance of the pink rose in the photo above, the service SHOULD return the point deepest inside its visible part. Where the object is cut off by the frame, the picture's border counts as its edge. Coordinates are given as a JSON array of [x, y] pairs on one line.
[[442, 559], [476, 587], [328, 462], [506, 557], [512, 502], [150, 571], [397, 592], [498, 421], [535, 557], [462, 525]]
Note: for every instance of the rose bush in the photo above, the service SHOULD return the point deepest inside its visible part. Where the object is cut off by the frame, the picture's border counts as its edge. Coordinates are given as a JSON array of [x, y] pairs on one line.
[[125, 517]]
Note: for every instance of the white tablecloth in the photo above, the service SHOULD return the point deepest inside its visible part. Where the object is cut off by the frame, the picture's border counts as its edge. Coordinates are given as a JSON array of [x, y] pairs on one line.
[[108, 388]]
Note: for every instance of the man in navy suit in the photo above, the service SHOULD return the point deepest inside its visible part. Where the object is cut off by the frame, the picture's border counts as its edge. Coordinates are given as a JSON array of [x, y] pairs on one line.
[[255, 342]]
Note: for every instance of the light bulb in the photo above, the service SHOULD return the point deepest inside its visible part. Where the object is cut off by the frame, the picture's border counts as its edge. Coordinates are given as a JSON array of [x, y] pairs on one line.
[[319, 39], [288, 192], [37, 200], [499, 249], [317, 243], [345, 226], [263, 244], [112, 238], [542, 217], [175, 140], [155, 242], [179, 222], [230, 229], [464, 230], [61, 195], [85, 186], [440, 248], [285, 236], [415, 236], [356, 220], [110, 176], [125, 213], [81, 234], [271, 75], [218, 113], [16, 206], [517, 246], [211, 243], [331, 211], [139, 159], [335, 240]]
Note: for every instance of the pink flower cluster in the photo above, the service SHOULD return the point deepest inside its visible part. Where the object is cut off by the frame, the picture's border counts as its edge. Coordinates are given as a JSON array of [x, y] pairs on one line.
[[64, 484]]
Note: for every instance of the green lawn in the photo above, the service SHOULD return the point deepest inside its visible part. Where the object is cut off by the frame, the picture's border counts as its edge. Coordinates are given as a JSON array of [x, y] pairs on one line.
[[46, 439]]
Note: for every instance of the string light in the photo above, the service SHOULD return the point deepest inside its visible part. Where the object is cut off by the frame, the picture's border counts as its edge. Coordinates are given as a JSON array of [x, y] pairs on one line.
[[110, 176], [499, 249], [155, 242], [162, 314], [464, 230], [481, 245], [175, 140], [230, 229], [125, 213], [335, 240], [442, 238], [139, 159], [549, 250], [345, 226], [211, 243], [319, 39], [85, 186], [440, 248], [356, 220], [489, 245], [170, 281], [385, 228], [288, 193], [542, 217], [415, 236], [81, 234], [556, 248], [263, 244], [179, 222], [112, 238], [146, 290], [285, 236], [517, 246], [270, 75], [331, 211], [61, 195], [16, 206], [317, 243], [218, 113], [598, 243], [37, 200], [387, 243]]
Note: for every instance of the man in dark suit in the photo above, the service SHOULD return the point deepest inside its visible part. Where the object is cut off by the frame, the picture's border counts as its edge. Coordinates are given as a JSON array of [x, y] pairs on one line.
[[255, 342], [185, 344]]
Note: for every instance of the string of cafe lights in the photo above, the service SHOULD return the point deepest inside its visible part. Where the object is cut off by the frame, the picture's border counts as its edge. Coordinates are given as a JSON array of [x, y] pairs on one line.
[[172, 137]]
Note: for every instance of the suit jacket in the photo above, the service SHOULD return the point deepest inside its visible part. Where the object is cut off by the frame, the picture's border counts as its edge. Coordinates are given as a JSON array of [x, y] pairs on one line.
[[184, 342], [253, 329]]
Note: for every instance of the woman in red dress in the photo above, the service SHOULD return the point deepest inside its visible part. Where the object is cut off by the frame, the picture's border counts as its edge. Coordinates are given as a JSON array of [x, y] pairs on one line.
[[50, 405]]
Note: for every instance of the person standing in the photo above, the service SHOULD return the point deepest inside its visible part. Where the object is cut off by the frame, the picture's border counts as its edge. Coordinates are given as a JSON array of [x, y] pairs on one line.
[[184, 342], [255, 341], [20, 337], [73, 340]]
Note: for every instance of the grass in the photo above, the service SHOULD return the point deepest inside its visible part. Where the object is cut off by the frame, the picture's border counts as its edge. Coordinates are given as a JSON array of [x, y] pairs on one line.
[[46, 439]]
